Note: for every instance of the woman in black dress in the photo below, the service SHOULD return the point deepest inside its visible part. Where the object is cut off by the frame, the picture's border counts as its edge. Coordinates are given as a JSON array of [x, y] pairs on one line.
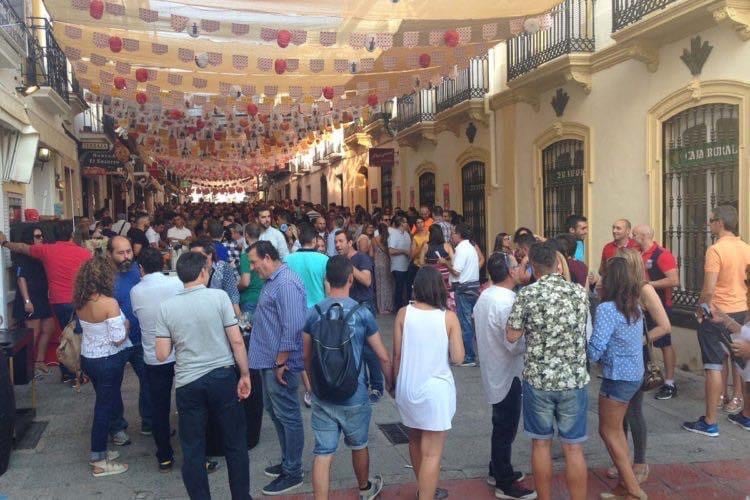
[[32, 300]]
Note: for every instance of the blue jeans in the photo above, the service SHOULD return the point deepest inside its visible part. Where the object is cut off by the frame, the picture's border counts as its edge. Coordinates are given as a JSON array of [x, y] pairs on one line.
[[373, 372], [621, 391], [542, 410], [160, 378], [135, 358], [63, 313], [282, 404], [214, 394], [464, 309], [106, 376], [329, 421]]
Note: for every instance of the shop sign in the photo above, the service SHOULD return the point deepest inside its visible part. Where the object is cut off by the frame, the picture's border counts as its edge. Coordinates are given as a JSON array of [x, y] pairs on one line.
[[703, 155], [98, 158], [565, 176], [382, 157]]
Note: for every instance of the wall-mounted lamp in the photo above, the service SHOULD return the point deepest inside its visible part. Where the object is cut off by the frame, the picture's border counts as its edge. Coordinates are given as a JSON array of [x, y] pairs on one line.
[[43, 155], [27, 90]]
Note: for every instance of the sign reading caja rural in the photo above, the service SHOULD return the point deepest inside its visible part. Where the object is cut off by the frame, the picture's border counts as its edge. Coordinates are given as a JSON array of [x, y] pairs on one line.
[[703, 155]]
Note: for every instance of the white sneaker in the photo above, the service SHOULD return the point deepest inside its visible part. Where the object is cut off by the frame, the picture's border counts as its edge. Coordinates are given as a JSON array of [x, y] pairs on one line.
[[376, 486]]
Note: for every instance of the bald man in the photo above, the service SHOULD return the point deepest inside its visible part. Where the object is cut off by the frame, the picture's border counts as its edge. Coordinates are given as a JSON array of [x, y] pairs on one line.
[[621, 239], [661, 271]]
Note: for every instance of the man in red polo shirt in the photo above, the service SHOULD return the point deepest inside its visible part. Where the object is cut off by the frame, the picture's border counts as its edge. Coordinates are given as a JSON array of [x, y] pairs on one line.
[[621, 234], [61, 261], [662, 274]]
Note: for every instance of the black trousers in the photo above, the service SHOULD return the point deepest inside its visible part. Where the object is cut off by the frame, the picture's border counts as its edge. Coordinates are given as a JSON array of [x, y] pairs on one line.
[[505, 417], [401, 292]]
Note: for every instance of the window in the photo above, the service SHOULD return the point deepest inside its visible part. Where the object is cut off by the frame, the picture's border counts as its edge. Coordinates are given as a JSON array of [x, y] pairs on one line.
[[386, 187], [472, 176], [323, 190], [701, 171], [299, 193], [562, 176], [427, 189]]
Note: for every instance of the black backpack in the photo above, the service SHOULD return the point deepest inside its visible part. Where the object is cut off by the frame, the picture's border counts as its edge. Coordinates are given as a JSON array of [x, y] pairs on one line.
[[335, 372]]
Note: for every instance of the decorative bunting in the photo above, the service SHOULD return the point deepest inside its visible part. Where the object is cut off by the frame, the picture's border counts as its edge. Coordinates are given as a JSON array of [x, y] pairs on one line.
[[357, 40], [215, 58], [178, 23], [73, 32], [412, 61], [240, 29], [200, 83], [174, 79], [130, 45], [122, 68], [100, 40], [341, 65], [327, 38], [489, 31], [268, 34], [389, 63], [81, 67], [270, 90], [152, 90], [239, 61], [410, 39], [265, 63], [295, 92], [152, 74], [436, 38], [98, 60], [209, 25], [545, 21], [148, 15], [366, 65], [159, 48], [437, 58], [80, 4], [248, 90], [115, 9], [105, 76], [516, 26], [315, 92], [224, 88], [384, 41], [185, 55], [317, 65], [292, 64], [72, 53], [464, 35], [299, 37]]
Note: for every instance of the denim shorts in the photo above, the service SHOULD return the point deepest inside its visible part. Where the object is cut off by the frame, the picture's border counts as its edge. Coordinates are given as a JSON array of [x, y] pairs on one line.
[[329, 421], [619, 390], [543, 410]]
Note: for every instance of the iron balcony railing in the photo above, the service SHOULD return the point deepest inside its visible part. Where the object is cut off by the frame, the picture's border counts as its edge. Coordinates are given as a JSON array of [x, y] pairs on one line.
[[472, 82], [13, 27], [419, 106], [46, 62], [627, 12], [567, 28]]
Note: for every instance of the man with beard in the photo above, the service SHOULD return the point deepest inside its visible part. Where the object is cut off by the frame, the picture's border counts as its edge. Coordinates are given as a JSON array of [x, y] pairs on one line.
[[270, 233], [128, 276]]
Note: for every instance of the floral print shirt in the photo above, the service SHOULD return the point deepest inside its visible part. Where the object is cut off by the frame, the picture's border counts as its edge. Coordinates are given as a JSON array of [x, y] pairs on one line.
[[552, 315]]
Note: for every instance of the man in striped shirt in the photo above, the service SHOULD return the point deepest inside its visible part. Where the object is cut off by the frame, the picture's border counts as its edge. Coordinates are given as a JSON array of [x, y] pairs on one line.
[[276, 351]]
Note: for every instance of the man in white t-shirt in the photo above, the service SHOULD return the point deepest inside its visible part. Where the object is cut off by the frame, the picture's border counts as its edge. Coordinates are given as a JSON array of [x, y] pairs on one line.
[[179, 233], [501, 365], [153, 234], [270, 233], [464, 280], [399, 248]]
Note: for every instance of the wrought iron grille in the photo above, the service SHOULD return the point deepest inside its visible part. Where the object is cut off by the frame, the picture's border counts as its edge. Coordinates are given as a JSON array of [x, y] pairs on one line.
[[386, 186], [701, 171], [419, 106], [323, 190], [473, 82], [46, 64], [427, 189], [472, 176], [627, 12], [13, 26], [562, 177], [567, 28]]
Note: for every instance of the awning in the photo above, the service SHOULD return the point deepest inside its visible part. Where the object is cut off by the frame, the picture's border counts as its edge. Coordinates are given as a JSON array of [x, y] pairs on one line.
[[53, 137]]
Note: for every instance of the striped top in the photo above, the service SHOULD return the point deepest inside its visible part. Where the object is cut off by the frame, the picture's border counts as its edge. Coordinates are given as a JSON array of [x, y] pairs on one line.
[[278, 321]]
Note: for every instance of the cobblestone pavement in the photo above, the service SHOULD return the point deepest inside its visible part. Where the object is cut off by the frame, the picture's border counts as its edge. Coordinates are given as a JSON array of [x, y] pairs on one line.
[[684, 465]]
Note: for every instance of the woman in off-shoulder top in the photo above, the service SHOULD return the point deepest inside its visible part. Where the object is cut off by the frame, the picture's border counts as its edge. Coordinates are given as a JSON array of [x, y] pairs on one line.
[[103, 355]]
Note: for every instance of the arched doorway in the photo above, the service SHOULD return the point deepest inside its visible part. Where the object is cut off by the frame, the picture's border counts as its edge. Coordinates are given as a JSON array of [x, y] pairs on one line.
[[427, 189], [323, 190], [472, 184], [362, 184]]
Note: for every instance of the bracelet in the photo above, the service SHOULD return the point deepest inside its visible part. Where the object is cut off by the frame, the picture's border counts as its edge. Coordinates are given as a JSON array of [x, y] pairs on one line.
[[278, 365]]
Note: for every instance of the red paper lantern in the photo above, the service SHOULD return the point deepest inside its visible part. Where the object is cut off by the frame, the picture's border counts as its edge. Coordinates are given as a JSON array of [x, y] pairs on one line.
[[115, 44], [279, 65], [252, 109], [141, 98], [176, 114], [141, 74], [424, 60], [120, 82], [199, 124], [451, 38], [328, 92], [372, 100], [283, 38], [96, 9]]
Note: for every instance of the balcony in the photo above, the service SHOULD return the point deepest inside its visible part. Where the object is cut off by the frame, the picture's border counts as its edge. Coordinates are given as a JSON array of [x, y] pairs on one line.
[[568, 29], [15, 34], [472, 82], [627, 12], [47, 67]]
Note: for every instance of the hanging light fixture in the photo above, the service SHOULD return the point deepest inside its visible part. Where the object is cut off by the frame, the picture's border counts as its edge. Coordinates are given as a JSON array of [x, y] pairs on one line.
[[43, 155]]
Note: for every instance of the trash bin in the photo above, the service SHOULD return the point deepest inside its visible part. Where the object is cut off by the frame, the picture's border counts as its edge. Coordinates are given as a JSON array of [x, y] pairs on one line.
[[7, 413]]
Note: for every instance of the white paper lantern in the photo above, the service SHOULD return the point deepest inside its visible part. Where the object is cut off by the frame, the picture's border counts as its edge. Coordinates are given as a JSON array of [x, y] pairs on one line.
[[201, 60]]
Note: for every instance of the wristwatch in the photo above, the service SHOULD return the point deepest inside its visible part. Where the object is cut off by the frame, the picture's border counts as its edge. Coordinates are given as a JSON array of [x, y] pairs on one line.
[[27, 301], [278, 365]]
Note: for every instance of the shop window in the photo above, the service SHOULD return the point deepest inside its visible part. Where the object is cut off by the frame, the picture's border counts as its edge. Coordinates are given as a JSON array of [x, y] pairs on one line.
[[386, 187], [427, 189], [472, 176], [701, 171], [562, 177]]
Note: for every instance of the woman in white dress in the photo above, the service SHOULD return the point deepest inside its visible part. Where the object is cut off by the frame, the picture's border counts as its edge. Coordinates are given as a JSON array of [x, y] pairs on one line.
[[425, 334]]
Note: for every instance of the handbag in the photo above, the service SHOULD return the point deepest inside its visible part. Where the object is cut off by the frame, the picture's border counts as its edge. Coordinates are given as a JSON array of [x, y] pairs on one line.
[[69, 350], [653, 376]]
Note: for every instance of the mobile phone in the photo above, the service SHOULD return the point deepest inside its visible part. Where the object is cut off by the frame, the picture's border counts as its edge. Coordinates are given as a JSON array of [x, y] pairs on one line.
[[706, 310], [438, 254], [283, 228]]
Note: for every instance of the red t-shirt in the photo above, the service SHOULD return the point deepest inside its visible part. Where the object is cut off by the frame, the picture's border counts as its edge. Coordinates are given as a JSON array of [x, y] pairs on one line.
[[61, 262], [665, 262], [610, 250]]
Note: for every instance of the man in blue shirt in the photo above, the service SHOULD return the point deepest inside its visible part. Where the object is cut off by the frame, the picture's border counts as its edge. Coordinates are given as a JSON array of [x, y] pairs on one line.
[[276, 351], [578, 226], [216, 231], [127, 275], [352, 417], [310, 266]]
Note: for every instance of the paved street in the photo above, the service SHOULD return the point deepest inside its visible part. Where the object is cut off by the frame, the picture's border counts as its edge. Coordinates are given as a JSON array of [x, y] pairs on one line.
[[57, 467]]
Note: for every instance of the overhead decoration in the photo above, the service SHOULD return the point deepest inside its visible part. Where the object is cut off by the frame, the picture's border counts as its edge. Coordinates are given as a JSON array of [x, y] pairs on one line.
[[96, 9], [283, 37], [141, 74], [115, 44]]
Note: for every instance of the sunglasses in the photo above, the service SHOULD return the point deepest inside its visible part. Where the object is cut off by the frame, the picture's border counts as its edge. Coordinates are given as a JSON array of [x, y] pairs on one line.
[[38, 236]]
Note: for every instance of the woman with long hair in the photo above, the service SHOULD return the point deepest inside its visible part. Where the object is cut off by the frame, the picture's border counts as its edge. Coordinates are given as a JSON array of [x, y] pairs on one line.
[[617, 344], [657, 325], [503, 243], [32, 301], [436, 249], [383, 275], [425, 337], [103, 355]]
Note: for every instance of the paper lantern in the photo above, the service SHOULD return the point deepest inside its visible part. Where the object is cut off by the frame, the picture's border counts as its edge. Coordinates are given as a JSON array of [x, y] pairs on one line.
[[120, 82], [279, 65], [372, 100], [424, 60], [176, 114], [96, 9], [451, 38], [283, 38], [141, 74], [115, 44], [141, 98], [199, 124], [252, 109], [328, 92], [201, 60]]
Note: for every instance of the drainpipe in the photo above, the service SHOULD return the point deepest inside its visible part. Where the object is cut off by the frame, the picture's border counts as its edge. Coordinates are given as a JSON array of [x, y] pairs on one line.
[[491, 119]]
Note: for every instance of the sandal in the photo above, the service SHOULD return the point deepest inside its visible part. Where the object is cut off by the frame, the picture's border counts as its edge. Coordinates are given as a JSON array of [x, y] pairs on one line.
[[641, 472], [111, 455], [613, 473], [108, 468]]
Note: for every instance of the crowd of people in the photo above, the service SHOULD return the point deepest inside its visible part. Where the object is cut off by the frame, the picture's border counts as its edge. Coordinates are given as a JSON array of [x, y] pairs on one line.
[[278, 305]]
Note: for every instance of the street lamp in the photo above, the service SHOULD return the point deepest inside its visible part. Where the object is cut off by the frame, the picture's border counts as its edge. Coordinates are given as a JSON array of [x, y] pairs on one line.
[[43, 155], [388, 107]]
